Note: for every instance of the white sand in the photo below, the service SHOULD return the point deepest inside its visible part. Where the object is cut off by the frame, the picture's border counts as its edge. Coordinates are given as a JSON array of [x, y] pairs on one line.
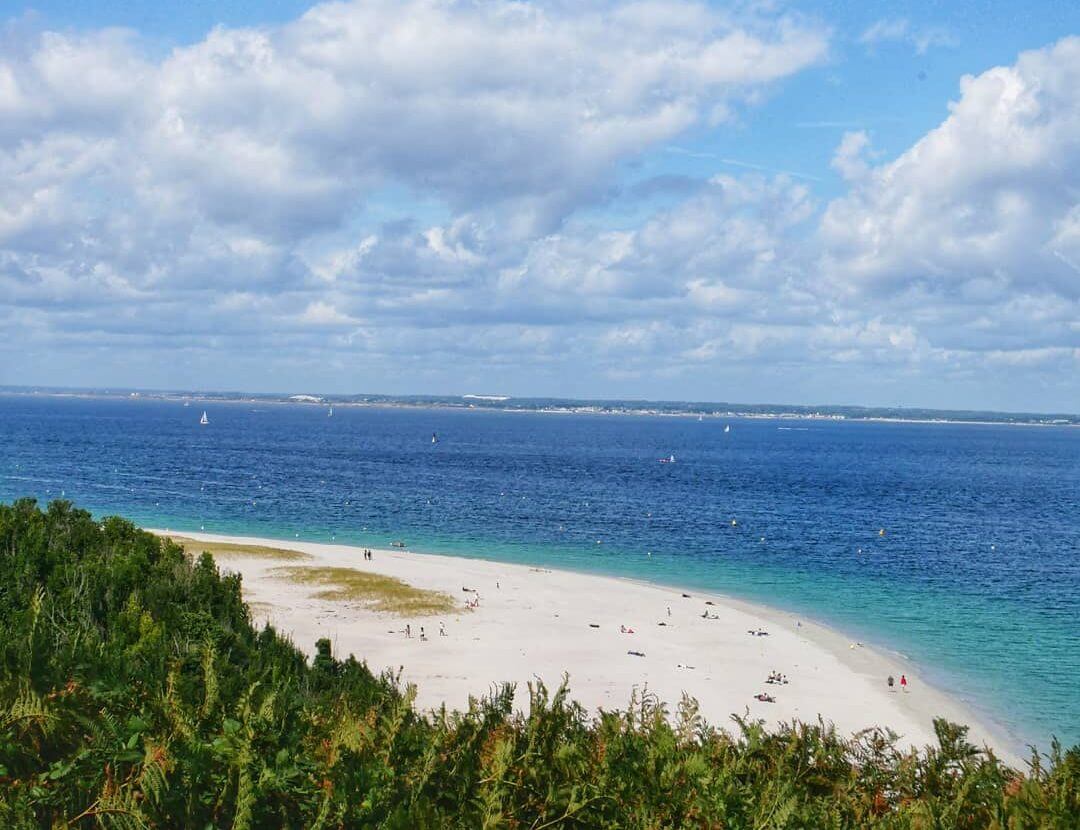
[[534, 623]]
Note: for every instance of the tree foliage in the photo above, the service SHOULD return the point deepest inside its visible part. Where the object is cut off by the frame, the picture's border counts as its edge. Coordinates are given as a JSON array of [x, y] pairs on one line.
[[135, 693]]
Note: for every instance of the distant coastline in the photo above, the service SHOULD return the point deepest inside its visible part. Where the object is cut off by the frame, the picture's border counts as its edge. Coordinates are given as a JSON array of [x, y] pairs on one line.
[[506, 403]]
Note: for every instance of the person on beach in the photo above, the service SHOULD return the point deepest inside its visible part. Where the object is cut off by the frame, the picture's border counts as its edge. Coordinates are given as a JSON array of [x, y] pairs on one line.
[[442, 629], [903, 682], [423, 637], [891, 682], [408, 630]]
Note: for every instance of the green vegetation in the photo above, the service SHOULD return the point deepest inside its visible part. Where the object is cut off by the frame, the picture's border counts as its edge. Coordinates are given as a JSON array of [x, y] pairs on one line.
[[226, 550], [380, 593], [134, 692]]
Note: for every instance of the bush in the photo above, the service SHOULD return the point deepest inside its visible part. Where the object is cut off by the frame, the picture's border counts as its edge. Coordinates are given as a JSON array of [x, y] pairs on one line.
[[135, 692]]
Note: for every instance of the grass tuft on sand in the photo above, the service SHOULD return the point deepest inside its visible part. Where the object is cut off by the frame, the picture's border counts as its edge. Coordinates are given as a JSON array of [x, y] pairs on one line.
[[381, 593], [226, 550]]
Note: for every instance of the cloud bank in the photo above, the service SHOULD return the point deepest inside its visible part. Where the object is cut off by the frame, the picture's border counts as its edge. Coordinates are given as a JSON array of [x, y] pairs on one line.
[[431, 195]]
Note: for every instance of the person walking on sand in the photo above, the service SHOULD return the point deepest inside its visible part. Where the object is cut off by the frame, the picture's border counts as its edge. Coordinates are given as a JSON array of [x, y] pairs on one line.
[[442, 629], [903, 682], [891, 682], [408, 630], [423, 637]]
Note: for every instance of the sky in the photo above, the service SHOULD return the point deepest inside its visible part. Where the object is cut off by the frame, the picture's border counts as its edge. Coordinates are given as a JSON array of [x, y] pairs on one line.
[[836, 203]]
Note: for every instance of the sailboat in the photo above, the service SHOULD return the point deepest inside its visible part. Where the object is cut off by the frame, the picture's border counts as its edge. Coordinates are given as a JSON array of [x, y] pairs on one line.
[[727, 428], [669, 460], [330, 413], [434, 438], [204, 420]]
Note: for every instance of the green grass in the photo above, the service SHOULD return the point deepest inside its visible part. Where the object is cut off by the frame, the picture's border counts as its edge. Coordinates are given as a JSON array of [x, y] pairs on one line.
[[381, 593], [227, 550]]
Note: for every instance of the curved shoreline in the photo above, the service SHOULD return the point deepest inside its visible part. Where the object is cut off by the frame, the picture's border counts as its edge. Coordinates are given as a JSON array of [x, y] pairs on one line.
[[539, 622]]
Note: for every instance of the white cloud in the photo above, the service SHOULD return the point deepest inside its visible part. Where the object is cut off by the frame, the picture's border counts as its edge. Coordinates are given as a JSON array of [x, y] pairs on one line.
[[901, 30], [276, 135], [228, 196], [322, 313], [990, 194], [970, 236]]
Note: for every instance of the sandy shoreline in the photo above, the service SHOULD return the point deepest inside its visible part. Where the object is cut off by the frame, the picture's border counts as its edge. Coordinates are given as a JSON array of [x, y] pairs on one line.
[[538, 623]]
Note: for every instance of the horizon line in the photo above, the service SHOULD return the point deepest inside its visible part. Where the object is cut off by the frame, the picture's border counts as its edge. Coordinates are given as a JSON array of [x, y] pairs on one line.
[[488, 400]]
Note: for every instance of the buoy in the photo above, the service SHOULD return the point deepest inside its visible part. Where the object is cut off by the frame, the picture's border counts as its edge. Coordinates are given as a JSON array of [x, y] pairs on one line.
[[734, 523]]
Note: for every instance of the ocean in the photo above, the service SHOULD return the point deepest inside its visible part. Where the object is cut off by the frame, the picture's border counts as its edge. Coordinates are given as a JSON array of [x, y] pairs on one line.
[[957, 545]]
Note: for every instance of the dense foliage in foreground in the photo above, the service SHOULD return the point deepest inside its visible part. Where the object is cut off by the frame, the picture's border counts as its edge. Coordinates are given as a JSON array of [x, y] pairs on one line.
[[134, 692]]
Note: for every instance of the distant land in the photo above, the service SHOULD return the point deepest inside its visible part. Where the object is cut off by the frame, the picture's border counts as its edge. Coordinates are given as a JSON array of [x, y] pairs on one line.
[[507, 403]]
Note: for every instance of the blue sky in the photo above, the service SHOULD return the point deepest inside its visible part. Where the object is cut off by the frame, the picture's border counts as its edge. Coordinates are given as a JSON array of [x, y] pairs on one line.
[[837, 203]]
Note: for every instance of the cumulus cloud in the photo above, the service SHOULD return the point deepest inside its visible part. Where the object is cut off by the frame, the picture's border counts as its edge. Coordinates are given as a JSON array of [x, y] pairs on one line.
[[974, 225], [969, 237], [274, 135], [237, 166], [423, 190]]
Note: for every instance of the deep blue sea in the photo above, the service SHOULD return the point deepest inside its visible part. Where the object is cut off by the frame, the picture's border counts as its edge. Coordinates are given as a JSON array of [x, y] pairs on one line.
[[977, 578]]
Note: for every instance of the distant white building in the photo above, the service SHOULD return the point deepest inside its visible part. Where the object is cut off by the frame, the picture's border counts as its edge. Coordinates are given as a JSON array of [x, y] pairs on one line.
[[305, 398]]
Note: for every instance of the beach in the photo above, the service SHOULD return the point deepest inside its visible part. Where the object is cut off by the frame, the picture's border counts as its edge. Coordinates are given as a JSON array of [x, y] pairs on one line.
[[612, 637]]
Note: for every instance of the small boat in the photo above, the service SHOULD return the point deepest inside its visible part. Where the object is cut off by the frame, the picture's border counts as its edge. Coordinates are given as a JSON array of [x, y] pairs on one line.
[[204, 420], [397, 544], [434, 438], [669, 460], [700, 419], [330, 412], [187, 403], [727, 428]]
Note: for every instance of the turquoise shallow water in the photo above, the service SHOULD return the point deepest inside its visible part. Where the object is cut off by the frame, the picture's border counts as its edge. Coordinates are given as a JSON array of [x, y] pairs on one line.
[[977, 578]]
